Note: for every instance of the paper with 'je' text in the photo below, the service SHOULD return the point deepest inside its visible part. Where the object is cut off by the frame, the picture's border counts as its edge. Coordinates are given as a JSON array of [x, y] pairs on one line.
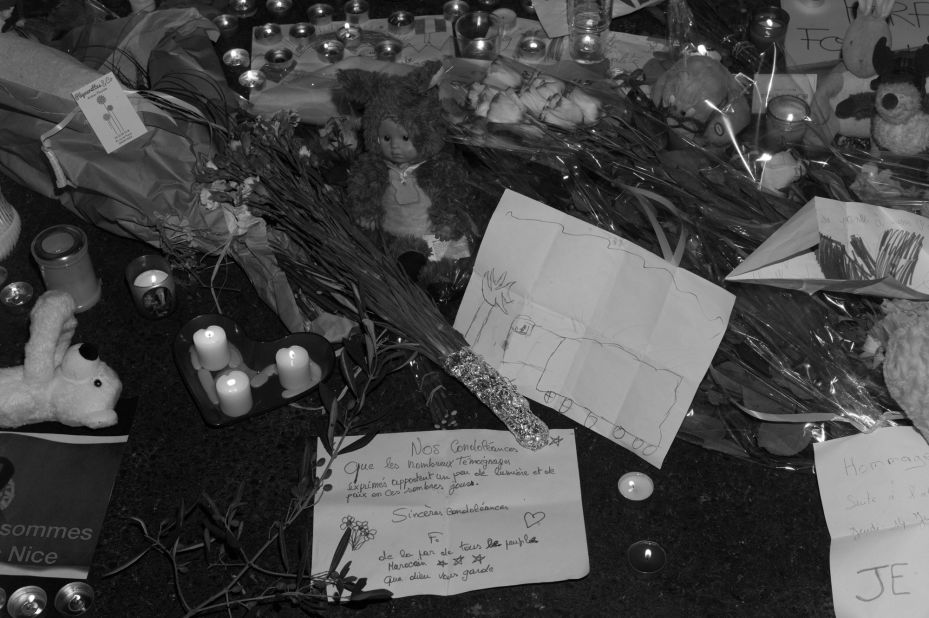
[[875, 493], [445, 512]]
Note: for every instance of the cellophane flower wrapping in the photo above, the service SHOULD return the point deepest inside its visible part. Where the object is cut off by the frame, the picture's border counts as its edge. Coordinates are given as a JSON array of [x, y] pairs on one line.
[[790, 369]]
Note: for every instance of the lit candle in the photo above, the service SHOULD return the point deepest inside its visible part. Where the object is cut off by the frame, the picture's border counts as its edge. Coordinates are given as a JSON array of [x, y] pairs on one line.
[[453, 9], [636, 486], [234, 393], [349, 35], [293, 368], [356, 11], [646, 557], [530, 48], [320, 14], [152, 286], [212, 348]]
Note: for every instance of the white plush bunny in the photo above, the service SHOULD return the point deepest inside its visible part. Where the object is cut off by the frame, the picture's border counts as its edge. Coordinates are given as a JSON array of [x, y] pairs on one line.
[[58, 382]]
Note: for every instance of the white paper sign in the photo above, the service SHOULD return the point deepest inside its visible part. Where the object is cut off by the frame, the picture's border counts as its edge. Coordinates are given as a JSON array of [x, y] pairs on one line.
[[590, 324], [109, 112], [444, 512], [875, 494], [814, 35]]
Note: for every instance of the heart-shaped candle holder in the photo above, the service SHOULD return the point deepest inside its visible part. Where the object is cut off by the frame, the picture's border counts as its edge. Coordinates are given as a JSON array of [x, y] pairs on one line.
[[257, 359]]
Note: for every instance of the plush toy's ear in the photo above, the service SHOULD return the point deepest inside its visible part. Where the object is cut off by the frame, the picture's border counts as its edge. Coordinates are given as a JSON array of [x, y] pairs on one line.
[[51, 327], [883, 58]]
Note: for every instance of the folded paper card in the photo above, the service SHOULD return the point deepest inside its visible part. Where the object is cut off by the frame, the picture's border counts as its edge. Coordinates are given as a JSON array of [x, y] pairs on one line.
[[445, 512], [844, 247], [590, 324], [875, 493]]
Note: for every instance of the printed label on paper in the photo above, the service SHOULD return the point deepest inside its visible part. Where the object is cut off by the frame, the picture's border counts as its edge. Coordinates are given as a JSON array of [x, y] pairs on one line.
[[109, 112]]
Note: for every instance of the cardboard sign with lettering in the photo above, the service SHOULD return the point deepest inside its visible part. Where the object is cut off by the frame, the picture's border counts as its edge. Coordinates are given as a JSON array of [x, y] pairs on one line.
[[814, 35], [444, 512], [875, 493]]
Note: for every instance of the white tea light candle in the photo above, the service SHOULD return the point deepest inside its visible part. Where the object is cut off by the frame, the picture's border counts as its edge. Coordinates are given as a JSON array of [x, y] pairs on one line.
[[293, 368], [636, 486], [349, 35], [212, 348], [234, 393]]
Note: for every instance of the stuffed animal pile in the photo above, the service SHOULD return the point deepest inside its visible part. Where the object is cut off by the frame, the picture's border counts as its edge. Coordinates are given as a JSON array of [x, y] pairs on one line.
[[58, 381]]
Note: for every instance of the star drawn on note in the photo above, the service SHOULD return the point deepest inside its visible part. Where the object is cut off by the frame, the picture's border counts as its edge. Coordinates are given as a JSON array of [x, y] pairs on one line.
[[441, 563], [556, 441], [458, 560], [479, 558]]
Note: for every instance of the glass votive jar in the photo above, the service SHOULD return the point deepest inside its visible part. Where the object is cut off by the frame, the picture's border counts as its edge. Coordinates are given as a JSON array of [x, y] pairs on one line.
[[400, 23], [388, 50], [279, 61], [62, 254], [227, 24], [330, 50], [587, 46], [453, 9], [320, 14], [356, 11], [349, 35], [236, 60], [243, 8], [768, 27], [253, 79], [531, 47], [268, 34], [478, 35], [507, 19], [785, 122], [17, 297], [527, 7], [152, 285], [279, 8], [301, 32]]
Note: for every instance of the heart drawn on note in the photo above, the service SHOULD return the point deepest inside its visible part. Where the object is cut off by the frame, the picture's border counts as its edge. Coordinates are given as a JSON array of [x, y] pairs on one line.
[[532, 519]]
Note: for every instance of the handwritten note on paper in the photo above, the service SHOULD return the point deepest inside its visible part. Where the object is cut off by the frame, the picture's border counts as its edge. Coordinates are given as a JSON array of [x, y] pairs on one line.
[[444, 512], [875, 493], [814, 35], [590, 324]]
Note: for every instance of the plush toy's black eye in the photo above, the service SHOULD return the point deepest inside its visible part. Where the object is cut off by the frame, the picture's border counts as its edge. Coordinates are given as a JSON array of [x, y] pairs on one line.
[[98, 382], [406, 138], [386, 138]]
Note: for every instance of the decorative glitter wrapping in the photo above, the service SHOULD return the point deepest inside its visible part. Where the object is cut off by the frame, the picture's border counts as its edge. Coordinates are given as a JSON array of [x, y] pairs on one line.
[[498, 394]]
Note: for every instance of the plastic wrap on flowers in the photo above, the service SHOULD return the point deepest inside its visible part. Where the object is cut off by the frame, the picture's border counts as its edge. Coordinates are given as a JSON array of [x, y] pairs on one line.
[[788, 371]]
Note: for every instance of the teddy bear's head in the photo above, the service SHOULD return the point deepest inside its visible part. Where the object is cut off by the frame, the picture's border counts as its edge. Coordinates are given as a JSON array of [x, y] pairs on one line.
[[88, 388]]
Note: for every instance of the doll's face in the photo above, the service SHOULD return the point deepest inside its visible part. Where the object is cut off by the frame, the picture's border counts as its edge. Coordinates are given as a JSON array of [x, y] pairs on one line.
[[395, 142]]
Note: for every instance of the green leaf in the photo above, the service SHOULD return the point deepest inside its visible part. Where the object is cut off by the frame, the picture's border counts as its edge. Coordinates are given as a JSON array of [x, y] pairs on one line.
[[379, 594], [282, 546], [359, 443], [327, 396], [355, 348], [348, 373], [370, 340], [340, 549]]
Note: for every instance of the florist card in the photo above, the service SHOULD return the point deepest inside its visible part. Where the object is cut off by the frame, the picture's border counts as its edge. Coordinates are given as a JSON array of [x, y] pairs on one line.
[[844, 247], [875, 494], [590, 324], [445, 512]]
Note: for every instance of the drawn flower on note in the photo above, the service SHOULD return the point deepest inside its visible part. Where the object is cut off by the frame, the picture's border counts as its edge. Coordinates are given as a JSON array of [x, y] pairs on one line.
[[361, 533]]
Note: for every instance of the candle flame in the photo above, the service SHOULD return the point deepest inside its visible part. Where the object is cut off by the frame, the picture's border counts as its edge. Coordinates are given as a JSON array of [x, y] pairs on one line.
[[648, 554], [230, 382], [769, 23], [790, 117], [209, 334], [291, 354], [701, 49]]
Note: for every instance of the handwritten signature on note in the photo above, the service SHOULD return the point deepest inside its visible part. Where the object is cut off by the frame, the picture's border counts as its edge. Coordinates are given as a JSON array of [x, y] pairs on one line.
[[444, 512]]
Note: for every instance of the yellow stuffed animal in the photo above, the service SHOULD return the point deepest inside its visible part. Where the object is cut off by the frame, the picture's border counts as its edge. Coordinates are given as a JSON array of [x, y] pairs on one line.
[[58, 381]]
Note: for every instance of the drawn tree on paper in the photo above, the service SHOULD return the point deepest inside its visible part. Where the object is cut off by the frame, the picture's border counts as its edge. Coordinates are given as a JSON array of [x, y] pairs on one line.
[[897, 254]]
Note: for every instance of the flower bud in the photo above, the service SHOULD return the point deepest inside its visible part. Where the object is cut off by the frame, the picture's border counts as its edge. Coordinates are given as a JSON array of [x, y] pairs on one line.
[[589, 105], [505, 108], [563, 113], [501, 77]]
